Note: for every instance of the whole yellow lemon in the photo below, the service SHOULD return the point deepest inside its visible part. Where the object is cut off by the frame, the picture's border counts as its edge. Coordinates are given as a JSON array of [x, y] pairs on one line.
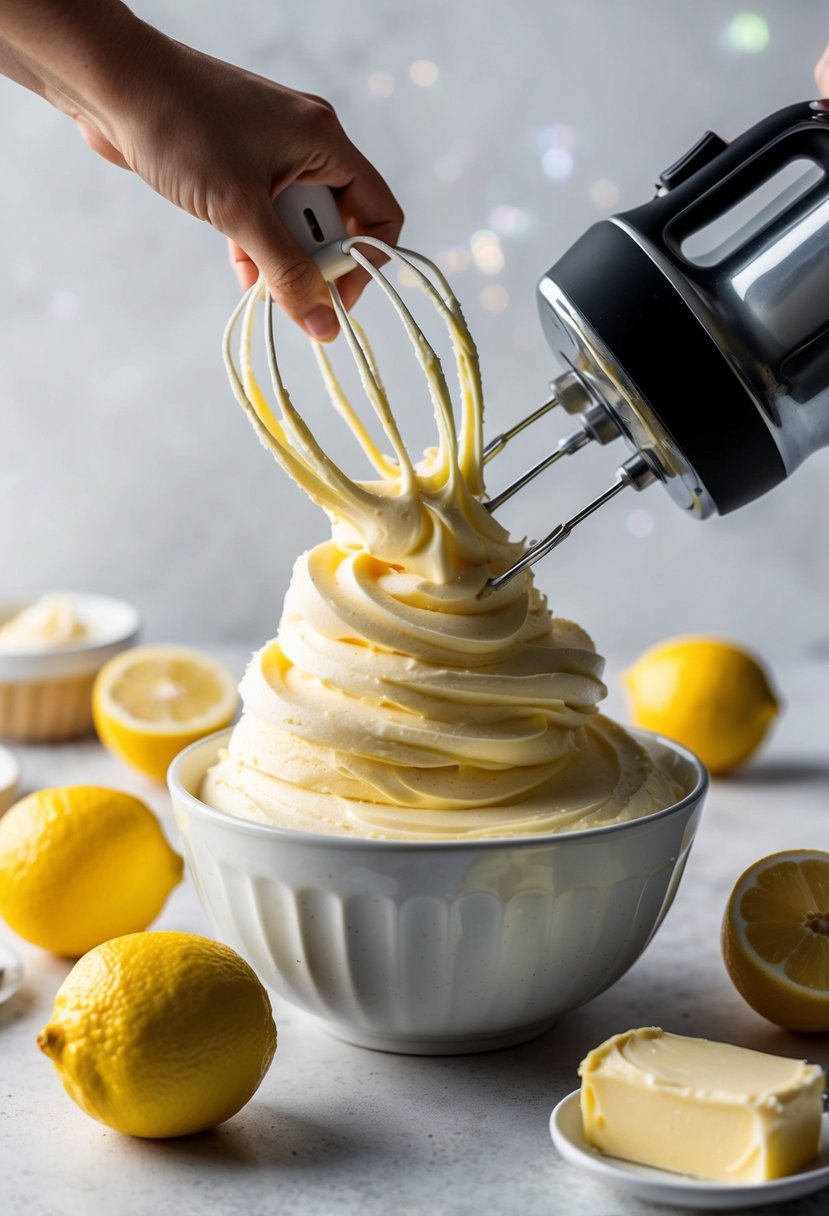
[[160, 1034], [708, 694], [81, 864]]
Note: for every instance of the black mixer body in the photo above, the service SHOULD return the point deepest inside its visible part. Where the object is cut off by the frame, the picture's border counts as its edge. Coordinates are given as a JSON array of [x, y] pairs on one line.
[[697, 325]]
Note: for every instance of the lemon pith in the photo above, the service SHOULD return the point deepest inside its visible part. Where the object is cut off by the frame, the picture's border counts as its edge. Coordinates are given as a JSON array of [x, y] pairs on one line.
[[775, 938], [150, 702], [708, 694], [80, 864], [161, 1034]]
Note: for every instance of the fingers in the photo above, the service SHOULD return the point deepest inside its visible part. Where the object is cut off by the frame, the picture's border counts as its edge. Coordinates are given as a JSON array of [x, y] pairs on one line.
[[369, 209], [244, 268], [822, 73], [370, 204], [260, 240], [292, 276]]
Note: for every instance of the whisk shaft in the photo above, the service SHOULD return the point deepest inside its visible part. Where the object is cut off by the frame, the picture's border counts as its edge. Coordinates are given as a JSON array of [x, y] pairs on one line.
[[554, 538], [573, 443], [498, 444]]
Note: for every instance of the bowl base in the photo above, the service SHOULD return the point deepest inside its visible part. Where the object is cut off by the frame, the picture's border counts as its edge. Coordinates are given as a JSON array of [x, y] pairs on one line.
[[435, 1045]]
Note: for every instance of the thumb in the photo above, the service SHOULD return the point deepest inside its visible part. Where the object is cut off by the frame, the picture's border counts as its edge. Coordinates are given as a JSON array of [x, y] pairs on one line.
[[292, 276]]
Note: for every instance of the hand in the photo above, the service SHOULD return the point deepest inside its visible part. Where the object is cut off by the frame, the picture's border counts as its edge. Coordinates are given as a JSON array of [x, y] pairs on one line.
[[216, 140], [221, 143]]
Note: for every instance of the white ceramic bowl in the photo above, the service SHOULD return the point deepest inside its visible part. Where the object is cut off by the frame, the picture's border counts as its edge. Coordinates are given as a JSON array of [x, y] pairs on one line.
[[46, 694], [443, 947]]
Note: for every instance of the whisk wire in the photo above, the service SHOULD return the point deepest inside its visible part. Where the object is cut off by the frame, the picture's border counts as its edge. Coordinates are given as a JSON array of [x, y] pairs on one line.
[[373, 388], [384, 466], [424, 351]]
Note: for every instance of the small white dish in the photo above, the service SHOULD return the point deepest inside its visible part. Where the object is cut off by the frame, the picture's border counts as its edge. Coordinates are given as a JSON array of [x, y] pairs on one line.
[[659, 1186], [46, 691], [9, 778]]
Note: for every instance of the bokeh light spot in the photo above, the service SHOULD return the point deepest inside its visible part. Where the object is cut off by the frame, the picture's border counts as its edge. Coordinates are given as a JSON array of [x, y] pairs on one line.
[[510, 221], [486, 251], [604, 194], [746, 33], [494, 298], [380, 84], [424, 73], [555, 135], [454, 260], [640, 523], [406, 277], [557, 164]]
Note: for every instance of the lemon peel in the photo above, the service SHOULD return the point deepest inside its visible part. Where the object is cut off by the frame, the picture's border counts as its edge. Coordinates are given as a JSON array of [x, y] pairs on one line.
[[161, 1034], [80, 864], [708, 694], [775, 938]]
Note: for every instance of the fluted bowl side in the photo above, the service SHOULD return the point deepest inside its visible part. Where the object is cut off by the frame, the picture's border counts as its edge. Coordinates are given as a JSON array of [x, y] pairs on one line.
[[436, 947]]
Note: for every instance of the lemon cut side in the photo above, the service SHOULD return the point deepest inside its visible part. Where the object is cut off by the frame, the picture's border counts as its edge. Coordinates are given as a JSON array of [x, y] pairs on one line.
[[150, 702], [775, 938]]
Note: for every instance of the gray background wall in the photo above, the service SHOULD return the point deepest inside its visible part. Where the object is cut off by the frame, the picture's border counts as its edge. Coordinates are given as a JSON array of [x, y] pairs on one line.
[[126, 466]]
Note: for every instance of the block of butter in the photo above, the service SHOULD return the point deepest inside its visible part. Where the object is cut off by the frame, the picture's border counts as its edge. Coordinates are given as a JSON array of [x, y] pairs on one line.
[[695, 1107]]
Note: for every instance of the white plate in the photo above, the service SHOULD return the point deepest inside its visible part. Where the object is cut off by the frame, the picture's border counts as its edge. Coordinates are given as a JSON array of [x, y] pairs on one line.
[[9, 778], [659, 1186]]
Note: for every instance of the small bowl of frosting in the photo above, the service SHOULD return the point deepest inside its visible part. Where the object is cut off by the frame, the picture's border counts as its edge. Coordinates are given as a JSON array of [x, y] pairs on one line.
[[51, 648]]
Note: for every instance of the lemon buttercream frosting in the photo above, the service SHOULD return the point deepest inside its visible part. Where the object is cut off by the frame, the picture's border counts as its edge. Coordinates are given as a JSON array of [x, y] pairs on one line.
[[401, 698]]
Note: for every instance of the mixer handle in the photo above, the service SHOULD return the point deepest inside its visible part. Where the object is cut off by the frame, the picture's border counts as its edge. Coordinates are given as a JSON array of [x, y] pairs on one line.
[[712, 177], [311, 215]]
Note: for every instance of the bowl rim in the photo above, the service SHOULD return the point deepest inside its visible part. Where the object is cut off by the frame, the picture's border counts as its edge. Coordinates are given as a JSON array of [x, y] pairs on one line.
[[76, 658], [272, 831]]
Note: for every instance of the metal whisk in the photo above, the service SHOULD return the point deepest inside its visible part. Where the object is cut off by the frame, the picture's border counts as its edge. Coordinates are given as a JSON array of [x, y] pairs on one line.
[[596, 427], [311, 216]]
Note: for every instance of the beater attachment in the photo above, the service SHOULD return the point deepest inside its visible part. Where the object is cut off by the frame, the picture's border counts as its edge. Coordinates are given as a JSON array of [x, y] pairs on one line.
[[310, 214]]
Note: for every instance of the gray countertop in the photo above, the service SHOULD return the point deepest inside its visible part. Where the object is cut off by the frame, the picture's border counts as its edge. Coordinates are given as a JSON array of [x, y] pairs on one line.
[[336, 1129]]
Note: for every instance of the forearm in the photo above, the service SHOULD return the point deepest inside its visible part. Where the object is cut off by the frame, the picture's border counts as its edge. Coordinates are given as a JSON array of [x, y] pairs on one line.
[[80, 56], [215, 140]]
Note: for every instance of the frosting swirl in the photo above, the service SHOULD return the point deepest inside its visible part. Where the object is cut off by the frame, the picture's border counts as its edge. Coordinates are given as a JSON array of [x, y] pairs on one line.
[[48, 624], [396, 701]]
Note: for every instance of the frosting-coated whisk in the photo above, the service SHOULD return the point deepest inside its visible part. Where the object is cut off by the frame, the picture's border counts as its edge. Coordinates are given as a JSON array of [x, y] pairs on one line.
[[310, 213], [695, 327]]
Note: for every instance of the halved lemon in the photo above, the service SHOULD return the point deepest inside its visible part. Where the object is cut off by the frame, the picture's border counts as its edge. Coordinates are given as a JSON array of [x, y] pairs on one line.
[[151, 701], [775, 938]]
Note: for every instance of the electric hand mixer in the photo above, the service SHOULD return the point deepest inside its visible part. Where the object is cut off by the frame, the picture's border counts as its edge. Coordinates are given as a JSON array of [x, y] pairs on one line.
[[695, 327]]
